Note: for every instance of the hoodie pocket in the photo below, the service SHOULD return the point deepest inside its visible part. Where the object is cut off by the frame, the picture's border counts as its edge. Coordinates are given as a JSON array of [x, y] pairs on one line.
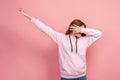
[[74, 65]]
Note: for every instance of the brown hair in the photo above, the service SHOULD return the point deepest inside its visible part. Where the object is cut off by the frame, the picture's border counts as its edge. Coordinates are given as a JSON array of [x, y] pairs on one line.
[[78, 23]]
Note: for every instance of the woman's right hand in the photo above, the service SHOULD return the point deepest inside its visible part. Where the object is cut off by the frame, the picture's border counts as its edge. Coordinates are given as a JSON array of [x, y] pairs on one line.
[[21, 10], [24, 13]]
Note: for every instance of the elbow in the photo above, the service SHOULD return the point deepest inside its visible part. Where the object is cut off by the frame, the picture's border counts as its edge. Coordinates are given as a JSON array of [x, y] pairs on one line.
[[100, 33]]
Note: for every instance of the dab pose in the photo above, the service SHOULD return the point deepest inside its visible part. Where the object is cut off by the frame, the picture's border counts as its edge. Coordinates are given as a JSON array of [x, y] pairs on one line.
[[72, 46]]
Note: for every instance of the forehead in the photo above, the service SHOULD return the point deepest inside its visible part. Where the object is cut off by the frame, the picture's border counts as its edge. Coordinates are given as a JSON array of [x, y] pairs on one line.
[[76, 25]]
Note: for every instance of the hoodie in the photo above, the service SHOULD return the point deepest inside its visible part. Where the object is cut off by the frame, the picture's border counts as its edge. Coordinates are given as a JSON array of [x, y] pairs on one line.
[[72, 61]]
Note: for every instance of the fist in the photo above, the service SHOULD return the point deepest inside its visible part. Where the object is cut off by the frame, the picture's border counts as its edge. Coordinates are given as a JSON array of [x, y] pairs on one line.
[[21, 10]]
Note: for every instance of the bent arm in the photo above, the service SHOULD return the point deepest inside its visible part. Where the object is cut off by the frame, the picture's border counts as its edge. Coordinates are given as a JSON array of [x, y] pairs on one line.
[[91, 35], [91, 32]]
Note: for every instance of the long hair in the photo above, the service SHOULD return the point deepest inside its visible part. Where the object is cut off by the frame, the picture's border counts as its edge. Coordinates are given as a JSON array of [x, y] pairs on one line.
[[78, 23]]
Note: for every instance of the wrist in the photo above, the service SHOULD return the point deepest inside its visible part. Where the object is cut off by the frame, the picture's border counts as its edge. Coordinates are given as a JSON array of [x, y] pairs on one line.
[[80, 29]]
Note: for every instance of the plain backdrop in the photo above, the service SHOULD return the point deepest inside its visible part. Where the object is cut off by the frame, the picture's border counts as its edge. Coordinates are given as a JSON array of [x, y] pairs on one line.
[[28, 54]]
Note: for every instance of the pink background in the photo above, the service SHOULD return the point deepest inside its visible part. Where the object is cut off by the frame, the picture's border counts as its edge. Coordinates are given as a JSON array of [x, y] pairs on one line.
[[28, 54]]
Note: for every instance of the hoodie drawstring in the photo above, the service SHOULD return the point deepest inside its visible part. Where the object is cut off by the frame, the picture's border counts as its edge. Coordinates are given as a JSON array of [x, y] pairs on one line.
[[72, 45], [76, 44]]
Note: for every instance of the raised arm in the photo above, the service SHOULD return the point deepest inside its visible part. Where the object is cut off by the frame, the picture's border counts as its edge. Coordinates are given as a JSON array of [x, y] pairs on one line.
[[92, 35], [43, 27]]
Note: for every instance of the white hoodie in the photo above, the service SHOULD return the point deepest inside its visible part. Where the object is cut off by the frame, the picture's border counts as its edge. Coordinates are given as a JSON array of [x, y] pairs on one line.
[[72, 64]]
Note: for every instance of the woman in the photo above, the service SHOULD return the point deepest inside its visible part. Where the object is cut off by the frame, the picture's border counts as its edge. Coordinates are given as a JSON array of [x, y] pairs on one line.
[[72, 46]]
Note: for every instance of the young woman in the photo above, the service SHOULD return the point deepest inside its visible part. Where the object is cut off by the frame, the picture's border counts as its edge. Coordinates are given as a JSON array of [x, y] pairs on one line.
[[72, 46]]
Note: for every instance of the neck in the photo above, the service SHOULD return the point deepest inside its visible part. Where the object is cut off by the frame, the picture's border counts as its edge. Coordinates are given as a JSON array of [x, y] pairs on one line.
[[74, 35]]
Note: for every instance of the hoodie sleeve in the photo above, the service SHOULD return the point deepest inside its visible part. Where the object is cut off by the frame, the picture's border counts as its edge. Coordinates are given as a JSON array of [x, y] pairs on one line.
[[46, 29], [91, 35]]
